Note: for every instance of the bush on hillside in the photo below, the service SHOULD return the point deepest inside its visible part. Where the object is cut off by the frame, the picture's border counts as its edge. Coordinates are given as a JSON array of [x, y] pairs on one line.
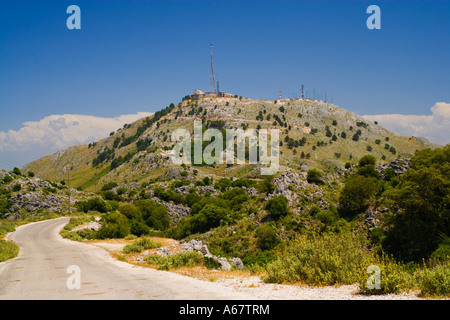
[[277, 207], [421, 206], [314, 176], [114, 225], [356, 195]]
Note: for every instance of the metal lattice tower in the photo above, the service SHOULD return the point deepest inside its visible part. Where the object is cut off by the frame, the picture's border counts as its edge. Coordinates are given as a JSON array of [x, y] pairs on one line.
[[212, 82]]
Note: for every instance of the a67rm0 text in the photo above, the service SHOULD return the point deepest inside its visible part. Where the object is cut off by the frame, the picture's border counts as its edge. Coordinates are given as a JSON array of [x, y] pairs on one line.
[[235, 309]]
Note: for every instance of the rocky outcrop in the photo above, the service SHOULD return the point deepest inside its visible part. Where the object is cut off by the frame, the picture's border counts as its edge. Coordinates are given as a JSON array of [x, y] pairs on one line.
[[176, 212], [225, 264], [371, 218], [399, 165], [292, 185], [34, 201]]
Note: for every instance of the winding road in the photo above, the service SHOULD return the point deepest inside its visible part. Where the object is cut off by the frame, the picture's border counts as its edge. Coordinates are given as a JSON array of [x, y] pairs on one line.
[[49, 267]]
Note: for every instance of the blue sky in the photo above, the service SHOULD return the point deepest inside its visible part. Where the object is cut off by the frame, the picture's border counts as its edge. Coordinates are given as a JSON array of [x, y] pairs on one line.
[[139, 56]]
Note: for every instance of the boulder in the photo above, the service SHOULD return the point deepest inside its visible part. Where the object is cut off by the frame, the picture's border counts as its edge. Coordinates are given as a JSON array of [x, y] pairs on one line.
[[197, 245], [224, 264], [237, 262], [163, 251]]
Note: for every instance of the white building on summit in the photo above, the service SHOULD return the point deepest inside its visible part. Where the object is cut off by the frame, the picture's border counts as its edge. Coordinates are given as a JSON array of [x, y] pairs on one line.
[[198, 94]]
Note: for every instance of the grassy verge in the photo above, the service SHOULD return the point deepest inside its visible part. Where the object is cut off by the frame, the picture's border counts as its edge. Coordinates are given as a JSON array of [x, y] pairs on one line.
[[6, 227], [140, 245], [8, 250]]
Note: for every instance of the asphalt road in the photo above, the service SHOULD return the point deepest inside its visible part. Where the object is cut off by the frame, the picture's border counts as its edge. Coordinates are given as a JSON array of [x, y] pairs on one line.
[[49, 267]]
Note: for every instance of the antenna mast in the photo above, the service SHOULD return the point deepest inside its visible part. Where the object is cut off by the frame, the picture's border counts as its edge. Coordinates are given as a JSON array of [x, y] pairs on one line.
[[211, 79]]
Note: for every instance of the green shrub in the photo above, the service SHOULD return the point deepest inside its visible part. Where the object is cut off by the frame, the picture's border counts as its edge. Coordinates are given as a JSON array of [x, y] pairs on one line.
[[7, 179], [314, 176], [356, 195], [259, 259], [442, 253], [326, 259], [328, 216], [389, 174], [154, 214], [6, 227], [394, 278], [8, 250], [265, 185], [71, 235], [266, 237], [147, 243], [76, 221], [130, 211], [248, 183], [277, 207], [93, 204], [222, 184], [110, 195], [114, 225], [168, 195], [420, 205], [210, 216], [87, 234], [174, 261], [211, 263], [138, 227], [109, 186], [435, 281]]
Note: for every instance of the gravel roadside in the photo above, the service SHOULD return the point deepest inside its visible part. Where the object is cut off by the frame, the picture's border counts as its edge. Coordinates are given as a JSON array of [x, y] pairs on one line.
[[268, 291], [257, 288]]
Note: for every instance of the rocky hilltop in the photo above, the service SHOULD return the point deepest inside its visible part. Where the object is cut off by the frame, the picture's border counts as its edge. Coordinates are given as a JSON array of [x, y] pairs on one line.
[[312, 134]]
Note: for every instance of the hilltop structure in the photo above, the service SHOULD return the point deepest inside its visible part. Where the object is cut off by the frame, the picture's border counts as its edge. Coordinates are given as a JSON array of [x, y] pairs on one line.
[[198, 94], [213, 92]]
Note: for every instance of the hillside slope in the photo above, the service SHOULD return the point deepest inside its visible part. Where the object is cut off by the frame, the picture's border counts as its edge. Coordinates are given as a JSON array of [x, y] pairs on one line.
[[312, 134]]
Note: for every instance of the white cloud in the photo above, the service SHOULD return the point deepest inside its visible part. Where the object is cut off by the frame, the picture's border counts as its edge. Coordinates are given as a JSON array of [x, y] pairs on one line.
[[54, 132], [435, 127]]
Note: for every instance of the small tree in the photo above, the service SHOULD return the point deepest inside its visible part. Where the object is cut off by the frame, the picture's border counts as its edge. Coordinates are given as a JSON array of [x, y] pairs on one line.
[[356, 195], [277, 207], [266, 237], [114, 225], [314, 176]]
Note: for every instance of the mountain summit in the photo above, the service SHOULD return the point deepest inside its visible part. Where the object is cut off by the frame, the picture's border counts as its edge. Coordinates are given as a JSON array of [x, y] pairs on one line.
[[311, 134]]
